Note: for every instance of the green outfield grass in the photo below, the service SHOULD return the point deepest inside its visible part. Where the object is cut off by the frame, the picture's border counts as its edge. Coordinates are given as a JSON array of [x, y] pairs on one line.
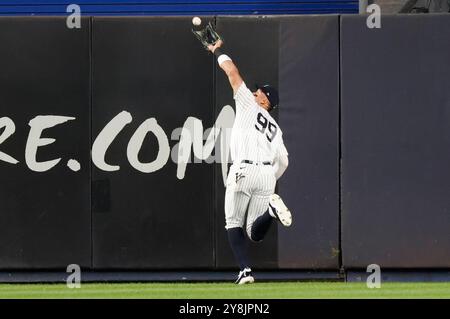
[[287, 290]]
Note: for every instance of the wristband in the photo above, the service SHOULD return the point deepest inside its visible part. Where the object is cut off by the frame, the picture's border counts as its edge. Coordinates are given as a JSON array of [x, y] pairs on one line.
[[223, 58]]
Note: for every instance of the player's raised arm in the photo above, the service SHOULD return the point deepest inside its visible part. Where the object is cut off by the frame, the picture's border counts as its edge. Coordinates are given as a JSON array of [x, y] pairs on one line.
[[227, 66]]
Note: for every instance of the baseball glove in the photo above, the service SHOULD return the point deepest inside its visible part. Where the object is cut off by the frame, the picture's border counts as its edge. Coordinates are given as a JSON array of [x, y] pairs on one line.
[[207, 36]]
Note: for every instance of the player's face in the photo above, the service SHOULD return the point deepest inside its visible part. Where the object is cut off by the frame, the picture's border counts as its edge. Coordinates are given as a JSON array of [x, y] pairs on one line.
[[261, 99]]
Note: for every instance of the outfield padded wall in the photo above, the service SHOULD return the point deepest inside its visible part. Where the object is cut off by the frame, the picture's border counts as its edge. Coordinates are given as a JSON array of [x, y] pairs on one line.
[[45, 217], [309, 118], [394, 134], [396, 142], [154, 220]]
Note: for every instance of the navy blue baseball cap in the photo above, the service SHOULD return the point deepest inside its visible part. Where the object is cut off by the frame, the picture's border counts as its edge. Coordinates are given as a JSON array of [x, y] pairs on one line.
[[271, 93]]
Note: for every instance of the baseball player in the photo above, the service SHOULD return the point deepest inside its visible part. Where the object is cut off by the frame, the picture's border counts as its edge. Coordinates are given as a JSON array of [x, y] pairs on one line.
[[259, 159]]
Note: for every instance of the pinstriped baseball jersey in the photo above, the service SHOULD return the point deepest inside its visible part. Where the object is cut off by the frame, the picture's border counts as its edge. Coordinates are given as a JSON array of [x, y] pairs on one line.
[[255, 135]]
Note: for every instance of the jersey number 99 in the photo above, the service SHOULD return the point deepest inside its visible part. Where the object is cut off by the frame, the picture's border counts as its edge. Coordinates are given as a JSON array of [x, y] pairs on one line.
[[263, 126]]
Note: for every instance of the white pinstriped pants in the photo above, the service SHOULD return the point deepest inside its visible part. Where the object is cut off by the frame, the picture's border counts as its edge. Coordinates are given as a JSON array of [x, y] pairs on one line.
[[249, 187]]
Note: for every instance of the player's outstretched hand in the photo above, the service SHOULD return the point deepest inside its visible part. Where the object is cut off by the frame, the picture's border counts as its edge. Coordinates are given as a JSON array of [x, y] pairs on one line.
[[218, 44]]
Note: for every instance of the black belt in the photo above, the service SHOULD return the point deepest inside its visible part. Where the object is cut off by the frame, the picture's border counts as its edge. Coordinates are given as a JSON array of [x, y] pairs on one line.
[[256, 163]]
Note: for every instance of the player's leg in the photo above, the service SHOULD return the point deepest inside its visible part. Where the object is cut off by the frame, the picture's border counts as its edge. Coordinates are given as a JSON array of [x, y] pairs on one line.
[[259, 219], [264, 207], [236, 203], [260, 224], [238, 244]]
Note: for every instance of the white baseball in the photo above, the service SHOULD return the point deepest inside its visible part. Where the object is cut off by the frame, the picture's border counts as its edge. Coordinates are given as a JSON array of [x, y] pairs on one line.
[[196, 21]]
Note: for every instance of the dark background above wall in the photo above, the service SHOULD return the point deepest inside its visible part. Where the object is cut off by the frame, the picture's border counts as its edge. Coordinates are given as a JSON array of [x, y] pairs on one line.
[[176, 7]]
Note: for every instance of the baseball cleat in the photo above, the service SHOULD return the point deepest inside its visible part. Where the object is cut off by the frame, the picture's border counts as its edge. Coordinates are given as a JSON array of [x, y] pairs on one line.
[[279, 209], [245, 277]]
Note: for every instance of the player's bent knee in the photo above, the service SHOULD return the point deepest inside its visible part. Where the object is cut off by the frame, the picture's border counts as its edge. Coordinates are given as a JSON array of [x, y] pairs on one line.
[[255, 239], [253, 236]]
